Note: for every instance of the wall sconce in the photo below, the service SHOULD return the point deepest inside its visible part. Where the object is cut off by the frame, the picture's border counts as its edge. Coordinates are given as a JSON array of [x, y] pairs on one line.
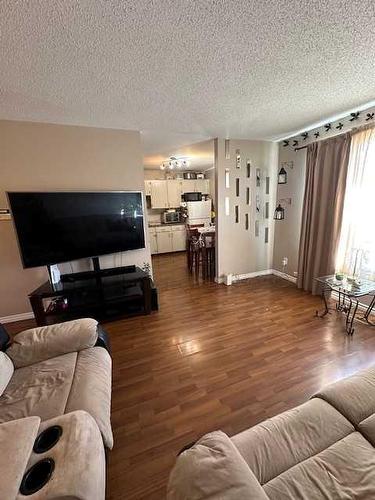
[[282, 176], [280, 210], [279, 213]]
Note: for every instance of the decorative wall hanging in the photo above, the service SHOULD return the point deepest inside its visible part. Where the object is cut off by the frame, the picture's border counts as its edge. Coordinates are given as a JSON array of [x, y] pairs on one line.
[[280, 209], [282, 176], [238, 158], [266, 231], [237, 213], [246, 221], [237, 186], [279, 213], [330, 128], [256, 228]]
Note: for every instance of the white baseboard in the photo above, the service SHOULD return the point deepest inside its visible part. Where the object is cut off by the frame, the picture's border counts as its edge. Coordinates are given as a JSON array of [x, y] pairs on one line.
[[239, 277], [16, 317], [265, 272], [285, 276]]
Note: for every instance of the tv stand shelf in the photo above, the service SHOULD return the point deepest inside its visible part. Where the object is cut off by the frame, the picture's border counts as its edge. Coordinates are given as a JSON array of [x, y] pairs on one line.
[[103, 294]]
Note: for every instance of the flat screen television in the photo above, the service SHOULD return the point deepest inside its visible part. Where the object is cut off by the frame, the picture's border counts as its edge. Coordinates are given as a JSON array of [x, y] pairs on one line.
[[63, 226]]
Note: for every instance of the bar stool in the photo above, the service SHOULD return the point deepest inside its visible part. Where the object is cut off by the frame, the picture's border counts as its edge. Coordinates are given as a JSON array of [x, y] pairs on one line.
[[193, 249], [208, 255]]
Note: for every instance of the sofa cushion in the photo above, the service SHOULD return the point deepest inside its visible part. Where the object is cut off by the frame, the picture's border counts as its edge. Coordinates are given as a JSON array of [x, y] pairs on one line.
[[16, 444], [6, 371], [367, 428], [39, 344], [91, 389], [279, 443], [213, 469], [345, 470], [354, 397], [41, 389]]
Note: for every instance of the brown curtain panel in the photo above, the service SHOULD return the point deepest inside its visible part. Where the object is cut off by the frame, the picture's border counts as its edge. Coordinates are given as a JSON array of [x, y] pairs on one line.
[[326, 170]]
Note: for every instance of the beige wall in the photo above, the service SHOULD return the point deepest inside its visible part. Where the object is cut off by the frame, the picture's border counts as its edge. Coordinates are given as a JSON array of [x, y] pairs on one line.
[[239, 251], [48, 157], [287, 231]]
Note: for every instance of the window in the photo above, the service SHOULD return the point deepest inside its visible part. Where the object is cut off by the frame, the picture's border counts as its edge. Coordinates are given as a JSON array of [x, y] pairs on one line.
[[356, 253]]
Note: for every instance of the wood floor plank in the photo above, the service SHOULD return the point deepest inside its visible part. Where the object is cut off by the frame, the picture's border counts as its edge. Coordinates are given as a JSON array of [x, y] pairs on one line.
[[214, 357]]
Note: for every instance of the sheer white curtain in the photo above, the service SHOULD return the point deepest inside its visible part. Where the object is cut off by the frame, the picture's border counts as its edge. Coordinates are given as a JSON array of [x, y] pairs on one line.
[[357, 240]]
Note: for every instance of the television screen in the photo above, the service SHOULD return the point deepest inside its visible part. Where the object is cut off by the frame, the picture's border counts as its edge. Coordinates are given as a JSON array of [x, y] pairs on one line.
[[61, 226]]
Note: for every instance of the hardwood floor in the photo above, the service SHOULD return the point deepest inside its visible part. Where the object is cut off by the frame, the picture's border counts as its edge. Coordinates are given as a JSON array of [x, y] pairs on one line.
[[215, 357]]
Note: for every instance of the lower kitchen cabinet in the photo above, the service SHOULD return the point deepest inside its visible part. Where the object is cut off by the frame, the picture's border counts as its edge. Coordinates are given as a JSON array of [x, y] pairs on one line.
[[179, 240], [153, 242], [167, 239]]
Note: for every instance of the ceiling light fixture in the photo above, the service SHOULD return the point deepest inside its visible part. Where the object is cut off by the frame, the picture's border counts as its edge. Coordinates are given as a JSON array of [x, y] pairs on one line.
[[175, 163]]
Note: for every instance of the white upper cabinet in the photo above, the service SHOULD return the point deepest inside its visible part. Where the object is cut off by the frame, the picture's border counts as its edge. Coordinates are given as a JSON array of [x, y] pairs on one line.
[[159, 194], [188, 186], [202, 186], [167, 193], [174, 189]]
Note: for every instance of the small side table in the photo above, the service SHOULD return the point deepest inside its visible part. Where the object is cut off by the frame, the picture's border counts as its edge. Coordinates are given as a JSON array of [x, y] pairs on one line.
[[348, 298]]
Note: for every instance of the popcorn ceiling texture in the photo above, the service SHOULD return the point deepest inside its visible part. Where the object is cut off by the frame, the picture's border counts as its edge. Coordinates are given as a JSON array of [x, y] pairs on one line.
[[236, 68]]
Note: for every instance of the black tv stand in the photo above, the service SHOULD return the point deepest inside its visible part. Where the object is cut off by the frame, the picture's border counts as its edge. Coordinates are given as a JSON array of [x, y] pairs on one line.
[[97, 272], [103, 294]]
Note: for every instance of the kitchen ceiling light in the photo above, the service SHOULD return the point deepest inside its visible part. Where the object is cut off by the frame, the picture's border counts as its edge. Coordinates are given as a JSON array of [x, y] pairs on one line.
[[174, 162]]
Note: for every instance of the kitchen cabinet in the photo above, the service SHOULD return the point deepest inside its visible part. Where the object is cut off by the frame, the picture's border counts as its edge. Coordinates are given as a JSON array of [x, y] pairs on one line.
[[188, 186], [164, 239], [202, 186], [178, 239], [174, 189], [153, 241], [159, 194], [167, 193]]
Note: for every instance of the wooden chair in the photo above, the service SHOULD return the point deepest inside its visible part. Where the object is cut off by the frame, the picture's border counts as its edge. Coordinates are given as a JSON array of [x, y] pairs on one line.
[[193, 250], [208, 255]]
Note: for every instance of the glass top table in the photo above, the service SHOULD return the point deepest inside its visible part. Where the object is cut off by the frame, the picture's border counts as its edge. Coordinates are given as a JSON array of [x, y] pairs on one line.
[[348, 295]]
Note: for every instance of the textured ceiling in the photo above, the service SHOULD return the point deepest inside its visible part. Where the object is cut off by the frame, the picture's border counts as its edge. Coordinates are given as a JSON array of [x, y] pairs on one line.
[[236, 68]]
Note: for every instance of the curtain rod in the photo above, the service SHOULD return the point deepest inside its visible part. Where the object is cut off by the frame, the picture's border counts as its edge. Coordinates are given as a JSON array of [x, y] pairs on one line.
[[301, 147]]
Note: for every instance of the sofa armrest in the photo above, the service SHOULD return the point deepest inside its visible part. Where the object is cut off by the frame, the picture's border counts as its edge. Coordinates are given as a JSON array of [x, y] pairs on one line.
[[16, 443], [39, 344], [213, 469]]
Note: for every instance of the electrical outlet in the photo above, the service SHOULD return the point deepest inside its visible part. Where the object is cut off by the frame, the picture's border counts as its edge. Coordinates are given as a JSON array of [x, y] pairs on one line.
[[284, 261]]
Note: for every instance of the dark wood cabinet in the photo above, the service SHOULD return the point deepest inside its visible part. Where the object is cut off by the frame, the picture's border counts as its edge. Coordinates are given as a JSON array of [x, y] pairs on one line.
[[103, 295]]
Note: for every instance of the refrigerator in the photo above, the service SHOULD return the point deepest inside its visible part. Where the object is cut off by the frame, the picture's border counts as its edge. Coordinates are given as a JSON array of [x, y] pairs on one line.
[[198, 212]]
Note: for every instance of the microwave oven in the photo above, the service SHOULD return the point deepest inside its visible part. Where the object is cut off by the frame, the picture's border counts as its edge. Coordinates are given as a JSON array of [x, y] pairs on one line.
[[171, 217], [192, 196]]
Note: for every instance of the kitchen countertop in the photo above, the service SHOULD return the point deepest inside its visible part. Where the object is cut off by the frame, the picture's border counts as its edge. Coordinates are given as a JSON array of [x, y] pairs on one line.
[[158, 224]]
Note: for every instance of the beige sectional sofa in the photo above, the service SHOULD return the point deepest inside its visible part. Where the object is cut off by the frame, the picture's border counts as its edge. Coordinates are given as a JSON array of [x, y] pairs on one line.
[[323, 449], [56, 375]]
